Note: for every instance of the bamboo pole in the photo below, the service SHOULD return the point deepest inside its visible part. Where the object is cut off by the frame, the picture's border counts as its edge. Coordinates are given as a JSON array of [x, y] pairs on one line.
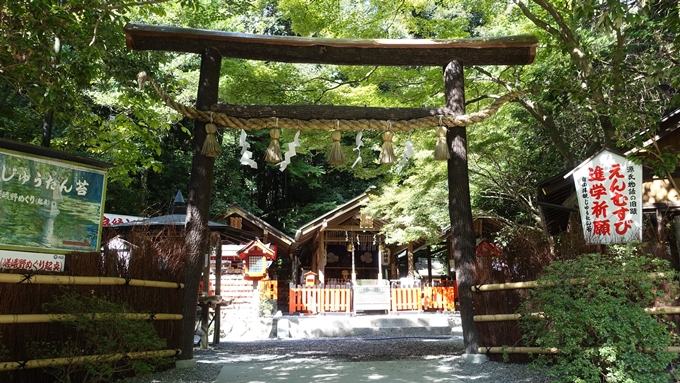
[[534, 284], [496, 317], [45, 318], [517, 350], [671, 310], [663, 310], [81, 280], [41, 363], [538, 350]]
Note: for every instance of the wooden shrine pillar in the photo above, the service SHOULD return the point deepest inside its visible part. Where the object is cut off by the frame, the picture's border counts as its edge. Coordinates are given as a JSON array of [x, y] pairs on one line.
[[198, 201], [216, 241], [428, 253], [460, 211], [393, 265], [321, 253]]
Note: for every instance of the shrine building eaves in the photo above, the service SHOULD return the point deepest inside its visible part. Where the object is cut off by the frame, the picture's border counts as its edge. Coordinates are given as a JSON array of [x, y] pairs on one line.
[[506, 50]]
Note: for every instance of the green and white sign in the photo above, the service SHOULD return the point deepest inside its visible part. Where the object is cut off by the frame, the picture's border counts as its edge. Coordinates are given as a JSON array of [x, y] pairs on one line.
[[49, 205]]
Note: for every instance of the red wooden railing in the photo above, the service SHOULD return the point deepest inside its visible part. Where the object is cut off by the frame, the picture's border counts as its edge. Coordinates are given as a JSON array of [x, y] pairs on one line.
[[406, 299], [440, 298], [319, 299]]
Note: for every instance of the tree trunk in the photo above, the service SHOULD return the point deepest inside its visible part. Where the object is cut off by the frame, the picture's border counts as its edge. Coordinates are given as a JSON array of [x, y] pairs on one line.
[[47, 128], [198, 203], [460, 211]]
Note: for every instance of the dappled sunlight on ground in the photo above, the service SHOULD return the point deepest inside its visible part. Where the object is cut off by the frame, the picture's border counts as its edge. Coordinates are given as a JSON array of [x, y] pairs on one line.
[[434, 369]]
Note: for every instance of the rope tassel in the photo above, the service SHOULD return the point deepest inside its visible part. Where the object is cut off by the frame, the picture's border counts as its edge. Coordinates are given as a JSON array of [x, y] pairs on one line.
[[441, 150], [274, 150], [211, 148], [387, 152], [337, 157]]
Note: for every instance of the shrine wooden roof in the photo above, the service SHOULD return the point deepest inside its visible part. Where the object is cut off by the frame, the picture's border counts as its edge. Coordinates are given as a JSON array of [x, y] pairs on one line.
[[506, 50], [258, 226]]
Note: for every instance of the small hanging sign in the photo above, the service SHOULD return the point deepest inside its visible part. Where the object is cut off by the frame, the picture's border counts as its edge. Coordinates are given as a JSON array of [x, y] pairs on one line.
[[609, 192]]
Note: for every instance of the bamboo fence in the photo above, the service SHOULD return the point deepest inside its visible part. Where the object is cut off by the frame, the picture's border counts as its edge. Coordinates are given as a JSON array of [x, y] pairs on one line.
[[42, 363], [46, 318]]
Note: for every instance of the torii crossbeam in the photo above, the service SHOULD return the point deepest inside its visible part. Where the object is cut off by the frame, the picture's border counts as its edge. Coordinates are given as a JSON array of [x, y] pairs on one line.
[[450, 54]]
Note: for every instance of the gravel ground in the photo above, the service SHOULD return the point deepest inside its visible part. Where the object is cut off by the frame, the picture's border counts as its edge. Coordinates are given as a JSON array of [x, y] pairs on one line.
[[446, 350]]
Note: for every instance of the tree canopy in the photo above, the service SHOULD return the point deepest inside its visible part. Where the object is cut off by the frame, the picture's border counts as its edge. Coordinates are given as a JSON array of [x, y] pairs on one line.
[[604, 72]]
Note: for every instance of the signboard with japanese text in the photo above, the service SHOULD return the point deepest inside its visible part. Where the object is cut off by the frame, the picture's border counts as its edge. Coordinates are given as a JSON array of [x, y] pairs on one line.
[[49, 205], [609, 191], [22, 260], [117, 219]]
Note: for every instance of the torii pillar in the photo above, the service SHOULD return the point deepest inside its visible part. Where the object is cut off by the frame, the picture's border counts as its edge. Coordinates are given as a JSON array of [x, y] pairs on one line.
[[460, 211]]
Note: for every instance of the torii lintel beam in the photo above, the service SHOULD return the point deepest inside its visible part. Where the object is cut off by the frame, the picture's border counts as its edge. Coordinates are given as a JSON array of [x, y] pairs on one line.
[[509, 50]]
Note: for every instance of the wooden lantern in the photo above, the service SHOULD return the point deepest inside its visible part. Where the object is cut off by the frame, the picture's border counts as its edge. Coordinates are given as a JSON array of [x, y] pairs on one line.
[[256, 254]]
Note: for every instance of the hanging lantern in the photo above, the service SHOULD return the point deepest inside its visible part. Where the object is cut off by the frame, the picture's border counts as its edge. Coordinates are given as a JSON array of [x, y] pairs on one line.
[[337, 157], [365, 221]]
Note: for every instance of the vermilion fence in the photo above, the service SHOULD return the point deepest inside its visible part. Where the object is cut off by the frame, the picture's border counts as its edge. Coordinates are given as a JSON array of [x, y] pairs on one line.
[[320, 299], [440, 297], [269, 289], [406, 298]]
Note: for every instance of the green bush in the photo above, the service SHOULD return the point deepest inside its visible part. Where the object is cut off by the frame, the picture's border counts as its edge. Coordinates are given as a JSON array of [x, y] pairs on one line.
[[599, 323], [266, 307], [112, 333]]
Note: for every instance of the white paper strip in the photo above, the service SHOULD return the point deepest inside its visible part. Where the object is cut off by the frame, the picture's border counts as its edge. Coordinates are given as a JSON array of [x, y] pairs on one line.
[[359, 143], [246, 155], [291, 151], [408, 152]]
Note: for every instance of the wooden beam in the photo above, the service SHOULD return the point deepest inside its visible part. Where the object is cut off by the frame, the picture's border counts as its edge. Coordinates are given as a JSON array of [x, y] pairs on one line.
[[509, 50], [354, 228]]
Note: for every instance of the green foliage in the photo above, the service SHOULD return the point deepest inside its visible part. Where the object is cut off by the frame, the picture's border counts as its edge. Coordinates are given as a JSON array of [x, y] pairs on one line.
[[594, 314], [266, 307], [112, 333], [627, 50]]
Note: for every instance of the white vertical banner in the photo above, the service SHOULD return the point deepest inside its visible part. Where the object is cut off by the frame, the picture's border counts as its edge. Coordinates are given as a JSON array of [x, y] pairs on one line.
[[609, 191]]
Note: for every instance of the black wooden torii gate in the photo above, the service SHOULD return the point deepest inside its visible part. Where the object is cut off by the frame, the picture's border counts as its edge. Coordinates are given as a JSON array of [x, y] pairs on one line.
[[450, 54]]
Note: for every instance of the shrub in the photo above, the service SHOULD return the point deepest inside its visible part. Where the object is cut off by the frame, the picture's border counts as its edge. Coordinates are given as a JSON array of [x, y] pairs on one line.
[[266, 307], [599, 323], [112, 333]]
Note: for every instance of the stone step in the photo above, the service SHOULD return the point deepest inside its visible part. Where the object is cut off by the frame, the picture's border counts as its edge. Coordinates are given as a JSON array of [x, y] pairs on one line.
[[346, 326], [237, 327]]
